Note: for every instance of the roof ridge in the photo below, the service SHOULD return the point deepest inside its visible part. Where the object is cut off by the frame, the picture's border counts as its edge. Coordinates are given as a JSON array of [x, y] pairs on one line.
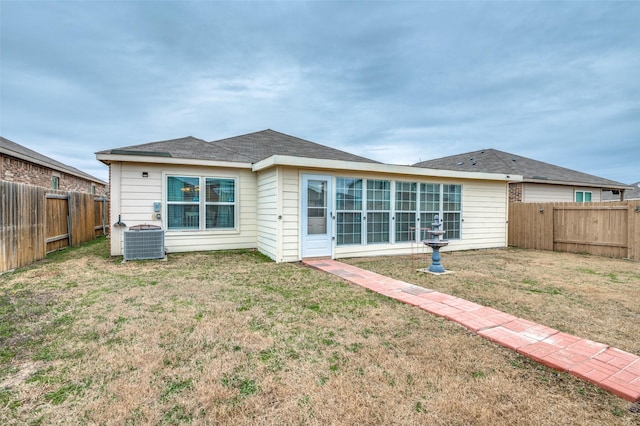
[[262, 138]]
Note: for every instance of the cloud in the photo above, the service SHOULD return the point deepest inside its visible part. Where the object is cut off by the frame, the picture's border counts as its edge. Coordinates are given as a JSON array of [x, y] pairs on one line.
[[394, 81]]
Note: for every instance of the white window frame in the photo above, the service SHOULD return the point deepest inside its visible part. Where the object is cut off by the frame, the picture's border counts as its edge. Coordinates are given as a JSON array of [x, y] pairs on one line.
[[202, 203], [575, 196], [368, 212], [393, 212]]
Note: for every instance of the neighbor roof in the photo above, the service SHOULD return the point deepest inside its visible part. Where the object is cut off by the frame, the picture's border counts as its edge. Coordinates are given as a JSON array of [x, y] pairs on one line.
[[249, 148], [13, 149], [629, 194], [494, 161]]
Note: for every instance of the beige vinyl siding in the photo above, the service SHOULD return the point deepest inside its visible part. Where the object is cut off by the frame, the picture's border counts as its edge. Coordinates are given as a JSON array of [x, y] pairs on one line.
[[137, 195], [542, 193], [268, 212], [290, 214], [278, 214], [115, 240], [536, 192], [134, 203], [484, 215]]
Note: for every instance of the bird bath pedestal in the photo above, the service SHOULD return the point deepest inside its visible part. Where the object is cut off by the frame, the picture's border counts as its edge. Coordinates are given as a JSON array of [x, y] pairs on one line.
[[436, 242]]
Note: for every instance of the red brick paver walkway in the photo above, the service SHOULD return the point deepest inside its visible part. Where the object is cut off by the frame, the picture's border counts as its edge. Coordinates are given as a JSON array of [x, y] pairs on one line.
[[609, 368]]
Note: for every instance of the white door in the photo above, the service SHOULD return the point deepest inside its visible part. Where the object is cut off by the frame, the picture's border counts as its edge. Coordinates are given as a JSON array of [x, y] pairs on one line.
[[316, 216]]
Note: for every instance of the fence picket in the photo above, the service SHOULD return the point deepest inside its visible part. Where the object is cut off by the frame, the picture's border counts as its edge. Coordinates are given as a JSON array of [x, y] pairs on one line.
[[606, 229], [35, 221]]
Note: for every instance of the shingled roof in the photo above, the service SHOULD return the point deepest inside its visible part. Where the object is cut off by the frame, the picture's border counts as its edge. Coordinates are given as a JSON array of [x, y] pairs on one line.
[[16, 150], [264, 144], [629, 194], [494, 161], [249, 148], [187, 147]]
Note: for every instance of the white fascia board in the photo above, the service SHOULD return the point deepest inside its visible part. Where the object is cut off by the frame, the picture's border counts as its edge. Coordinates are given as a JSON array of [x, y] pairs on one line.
[[579, 184], [312, 163], [107, 158]]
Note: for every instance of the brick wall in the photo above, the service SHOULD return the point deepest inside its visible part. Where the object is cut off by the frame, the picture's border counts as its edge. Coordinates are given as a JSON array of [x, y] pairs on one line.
[[15, 170], [515, 192]]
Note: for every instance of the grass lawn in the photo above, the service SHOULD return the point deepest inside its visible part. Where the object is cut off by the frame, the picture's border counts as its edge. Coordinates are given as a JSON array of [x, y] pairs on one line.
[[232, 338]]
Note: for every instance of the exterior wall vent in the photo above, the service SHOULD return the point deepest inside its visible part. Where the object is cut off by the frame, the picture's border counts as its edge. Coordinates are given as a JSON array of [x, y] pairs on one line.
[[144, 242]]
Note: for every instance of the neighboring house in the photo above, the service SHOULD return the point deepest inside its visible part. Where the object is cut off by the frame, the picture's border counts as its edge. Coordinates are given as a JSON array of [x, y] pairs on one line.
[[292, 199], [630, 194], [541, 182], [23, 165]]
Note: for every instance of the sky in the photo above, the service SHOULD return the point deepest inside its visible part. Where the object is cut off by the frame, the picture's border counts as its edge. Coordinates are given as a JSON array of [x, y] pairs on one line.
[[398, 82]]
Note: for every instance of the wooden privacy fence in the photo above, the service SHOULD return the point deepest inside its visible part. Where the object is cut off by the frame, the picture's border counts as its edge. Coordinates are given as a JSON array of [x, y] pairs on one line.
[[605, 229], [35, 221]]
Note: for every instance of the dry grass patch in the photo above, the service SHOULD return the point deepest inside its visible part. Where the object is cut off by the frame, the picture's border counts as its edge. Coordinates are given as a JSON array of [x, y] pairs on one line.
[[589, 296], [231, 338]]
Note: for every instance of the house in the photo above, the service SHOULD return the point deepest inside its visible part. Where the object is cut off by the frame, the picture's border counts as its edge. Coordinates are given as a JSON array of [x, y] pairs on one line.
[[541, 182], [22, 165], [291, 199], [630, 194]]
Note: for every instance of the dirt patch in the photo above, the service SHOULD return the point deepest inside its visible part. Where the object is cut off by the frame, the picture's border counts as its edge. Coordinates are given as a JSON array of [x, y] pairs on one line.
[[25, 371]]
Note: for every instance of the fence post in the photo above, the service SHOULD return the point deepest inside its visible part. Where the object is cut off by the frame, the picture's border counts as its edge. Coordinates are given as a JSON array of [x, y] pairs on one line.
[[633, 230], [70, 218]]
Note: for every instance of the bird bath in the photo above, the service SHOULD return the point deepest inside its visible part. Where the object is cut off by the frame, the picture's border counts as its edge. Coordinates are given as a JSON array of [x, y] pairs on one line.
[[436, 242]]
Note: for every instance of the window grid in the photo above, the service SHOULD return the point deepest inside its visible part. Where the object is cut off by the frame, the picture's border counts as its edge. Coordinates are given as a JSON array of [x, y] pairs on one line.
[[348, 194], [405, 214], [378, 195], [348, 211], [451, 210], [349, 228], [378, 211], [405, 221], [429, 206], [422, 203], [451, 198], [377, 227]]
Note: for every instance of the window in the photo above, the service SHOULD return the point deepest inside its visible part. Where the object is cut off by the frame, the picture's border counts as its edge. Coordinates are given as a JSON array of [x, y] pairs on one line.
[[451, 210], [414, 206], [405, 215], [185, 206], [220, 203], [348, 211], [93, 189], [378, 211], [429, 206], [583, 196], [55, 181]]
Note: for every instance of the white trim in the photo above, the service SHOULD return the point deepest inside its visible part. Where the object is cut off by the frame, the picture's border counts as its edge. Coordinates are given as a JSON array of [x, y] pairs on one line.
[[304, 249], [106, 158], [313, 163]]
